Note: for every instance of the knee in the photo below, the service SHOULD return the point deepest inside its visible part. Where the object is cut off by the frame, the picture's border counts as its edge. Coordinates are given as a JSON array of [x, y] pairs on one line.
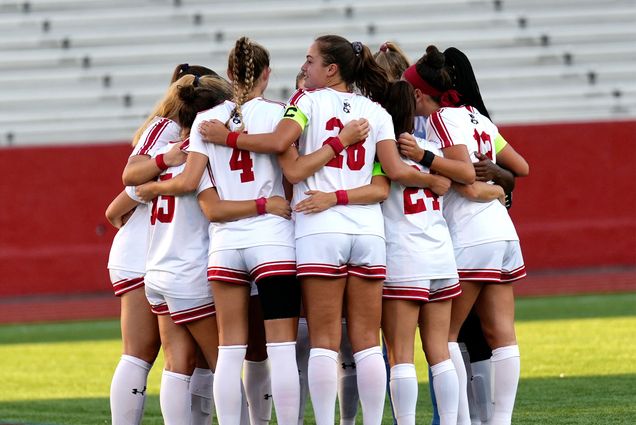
[[145, 350]]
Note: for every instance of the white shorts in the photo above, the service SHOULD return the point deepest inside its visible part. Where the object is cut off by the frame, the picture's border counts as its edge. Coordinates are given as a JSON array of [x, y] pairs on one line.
[[493, 262], [181, 310], [339, 255], [423, 290], [124, 281], [245, 265]]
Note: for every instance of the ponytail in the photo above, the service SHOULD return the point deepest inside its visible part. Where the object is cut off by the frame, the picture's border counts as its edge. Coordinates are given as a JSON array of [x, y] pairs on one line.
[[464, 80]]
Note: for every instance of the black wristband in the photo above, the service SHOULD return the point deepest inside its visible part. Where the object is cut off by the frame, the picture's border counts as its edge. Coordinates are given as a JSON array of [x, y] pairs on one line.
[[427, 159]]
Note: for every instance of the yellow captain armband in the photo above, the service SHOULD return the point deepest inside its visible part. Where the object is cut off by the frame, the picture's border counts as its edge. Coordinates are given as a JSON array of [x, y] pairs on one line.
[[293, 113], [500, 143], [377, 170]]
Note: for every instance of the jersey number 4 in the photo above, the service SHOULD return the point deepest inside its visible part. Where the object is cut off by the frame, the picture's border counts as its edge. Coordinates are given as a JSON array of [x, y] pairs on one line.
[[242, 161], [162, 206], [355, 152], [414, 205]]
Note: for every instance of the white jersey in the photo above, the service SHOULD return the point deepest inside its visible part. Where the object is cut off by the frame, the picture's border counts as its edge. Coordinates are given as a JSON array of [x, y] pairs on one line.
[[241, 175], [470, 223], [326, 112], [418, 241], [130, 245], [178, 249]]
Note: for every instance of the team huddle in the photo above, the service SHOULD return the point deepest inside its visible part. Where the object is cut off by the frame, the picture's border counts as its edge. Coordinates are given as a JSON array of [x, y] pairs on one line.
[[269, 247]]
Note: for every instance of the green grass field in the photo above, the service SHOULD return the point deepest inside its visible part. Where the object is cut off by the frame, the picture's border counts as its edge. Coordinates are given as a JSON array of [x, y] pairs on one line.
[[578, 367]]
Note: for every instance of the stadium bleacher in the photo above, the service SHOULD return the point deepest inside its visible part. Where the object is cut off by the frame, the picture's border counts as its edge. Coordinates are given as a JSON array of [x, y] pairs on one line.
[[90, 70]]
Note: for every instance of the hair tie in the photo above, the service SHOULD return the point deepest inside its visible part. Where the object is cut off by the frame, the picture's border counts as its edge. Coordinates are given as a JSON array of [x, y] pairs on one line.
[[384, 47], [184, 67], [195, 83], [357, 47], [449, 98]]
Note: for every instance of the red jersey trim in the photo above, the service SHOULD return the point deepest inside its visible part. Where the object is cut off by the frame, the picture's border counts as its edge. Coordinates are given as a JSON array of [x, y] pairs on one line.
[[440, 129], [158, 128]]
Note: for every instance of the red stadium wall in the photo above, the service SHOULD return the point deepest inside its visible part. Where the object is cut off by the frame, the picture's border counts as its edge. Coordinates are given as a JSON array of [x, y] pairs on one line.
[[576, 210]]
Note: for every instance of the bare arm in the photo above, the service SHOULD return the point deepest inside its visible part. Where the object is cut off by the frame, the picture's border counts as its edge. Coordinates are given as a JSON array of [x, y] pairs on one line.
[[185, 182], [217, 210], [455, 164], [142, 168], [397, 170], [372, 193], [480, 191], [487, 170], [510, 159], [286, 132], [118, 210], [297, 168]]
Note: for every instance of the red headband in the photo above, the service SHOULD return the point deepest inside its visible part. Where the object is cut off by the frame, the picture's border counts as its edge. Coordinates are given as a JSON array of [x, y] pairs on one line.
[[447, 98], [418, 82]]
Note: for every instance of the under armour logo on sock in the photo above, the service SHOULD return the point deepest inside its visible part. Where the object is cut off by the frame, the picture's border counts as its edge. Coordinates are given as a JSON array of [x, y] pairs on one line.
[[267, 396], [351, 365], [136, 391]]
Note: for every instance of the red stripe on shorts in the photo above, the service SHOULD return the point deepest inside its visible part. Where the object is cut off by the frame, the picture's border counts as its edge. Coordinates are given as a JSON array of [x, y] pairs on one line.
[[160, 309], [323, 270], [126, 285], [222, 274], [274, 268], [368, 272], [192, 314]]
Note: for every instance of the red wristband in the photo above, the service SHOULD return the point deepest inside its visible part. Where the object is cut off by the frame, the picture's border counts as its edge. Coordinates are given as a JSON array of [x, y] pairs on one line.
[[260, 206], [335, 144], [232, 139], [160, 162], [341, 197]]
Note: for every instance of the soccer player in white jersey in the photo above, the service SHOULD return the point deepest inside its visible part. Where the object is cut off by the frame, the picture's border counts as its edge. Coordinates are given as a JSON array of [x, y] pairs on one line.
[[340, 250], [257, 248], [486, 245], [127, 259]]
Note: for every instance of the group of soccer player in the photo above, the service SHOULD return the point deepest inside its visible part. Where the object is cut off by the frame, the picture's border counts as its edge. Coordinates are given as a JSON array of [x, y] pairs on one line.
[[268, 247]]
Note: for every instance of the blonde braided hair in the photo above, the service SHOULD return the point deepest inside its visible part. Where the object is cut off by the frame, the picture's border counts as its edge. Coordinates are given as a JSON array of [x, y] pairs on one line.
[[242, 61]]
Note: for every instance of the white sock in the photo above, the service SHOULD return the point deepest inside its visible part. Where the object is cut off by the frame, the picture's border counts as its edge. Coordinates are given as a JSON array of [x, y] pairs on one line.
[[446, 387], [285, 383], [128, 390], [302, 360], [174, 398], [371, 384], [482, 389], [404, 389], [245, 408], [323, 384], [258, 389], [347, 381], [201, 396], [227, 384], [506, 366], [463, 415]]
